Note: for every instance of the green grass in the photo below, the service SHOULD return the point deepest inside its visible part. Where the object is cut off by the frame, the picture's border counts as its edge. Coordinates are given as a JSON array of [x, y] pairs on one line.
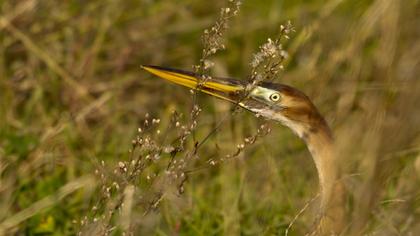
[[72, 94]]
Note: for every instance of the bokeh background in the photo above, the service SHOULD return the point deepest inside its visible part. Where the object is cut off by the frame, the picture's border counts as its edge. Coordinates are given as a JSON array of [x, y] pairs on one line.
[[72, 95]]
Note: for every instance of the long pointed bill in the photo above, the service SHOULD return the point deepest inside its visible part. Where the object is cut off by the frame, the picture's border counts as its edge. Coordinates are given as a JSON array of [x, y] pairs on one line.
[[224, 88]]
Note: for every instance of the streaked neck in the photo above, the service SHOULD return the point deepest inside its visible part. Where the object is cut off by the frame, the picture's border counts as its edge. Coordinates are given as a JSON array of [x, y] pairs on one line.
[[321, 145]]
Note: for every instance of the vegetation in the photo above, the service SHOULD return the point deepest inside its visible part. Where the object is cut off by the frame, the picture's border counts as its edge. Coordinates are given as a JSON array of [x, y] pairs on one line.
[[91, 144]]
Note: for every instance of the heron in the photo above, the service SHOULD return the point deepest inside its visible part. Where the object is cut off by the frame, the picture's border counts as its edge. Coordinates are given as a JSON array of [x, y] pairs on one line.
[[293, 109]]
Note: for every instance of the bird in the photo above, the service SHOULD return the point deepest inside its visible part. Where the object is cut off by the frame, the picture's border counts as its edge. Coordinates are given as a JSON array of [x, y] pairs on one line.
[[293, 109]]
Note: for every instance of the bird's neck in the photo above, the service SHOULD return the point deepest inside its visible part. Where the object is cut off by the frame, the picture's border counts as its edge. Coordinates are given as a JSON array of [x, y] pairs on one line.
[[321, 145]]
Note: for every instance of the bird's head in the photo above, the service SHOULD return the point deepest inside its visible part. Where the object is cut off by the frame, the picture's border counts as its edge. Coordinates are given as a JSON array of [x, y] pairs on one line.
[[270, 100]]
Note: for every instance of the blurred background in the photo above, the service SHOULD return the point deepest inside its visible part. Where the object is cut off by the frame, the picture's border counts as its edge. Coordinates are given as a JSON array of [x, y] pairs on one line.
[[73, 95]]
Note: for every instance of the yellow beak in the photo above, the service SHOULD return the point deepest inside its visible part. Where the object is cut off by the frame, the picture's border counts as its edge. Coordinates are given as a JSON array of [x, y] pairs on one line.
[[224, 88]]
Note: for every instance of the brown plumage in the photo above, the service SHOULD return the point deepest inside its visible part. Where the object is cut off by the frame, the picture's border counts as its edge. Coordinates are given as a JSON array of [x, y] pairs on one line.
[[293, 109]]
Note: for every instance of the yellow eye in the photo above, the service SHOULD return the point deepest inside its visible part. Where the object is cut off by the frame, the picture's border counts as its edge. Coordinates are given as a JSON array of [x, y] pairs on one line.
[[275, 97]]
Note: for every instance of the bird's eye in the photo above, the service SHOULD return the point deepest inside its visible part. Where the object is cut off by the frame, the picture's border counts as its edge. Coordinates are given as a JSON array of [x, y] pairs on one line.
[[275, 97]]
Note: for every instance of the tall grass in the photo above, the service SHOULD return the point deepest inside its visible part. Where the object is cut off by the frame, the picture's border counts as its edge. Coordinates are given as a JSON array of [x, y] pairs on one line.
[[73, 96]]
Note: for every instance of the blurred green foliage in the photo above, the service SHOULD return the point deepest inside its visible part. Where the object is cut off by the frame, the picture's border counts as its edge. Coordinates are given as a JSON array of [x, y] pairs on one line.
[[72, 94]]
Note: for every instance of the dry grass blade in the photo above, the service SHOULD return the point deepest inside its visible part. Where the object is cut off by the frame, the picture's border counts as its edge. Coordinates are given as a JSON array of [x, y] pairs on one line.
[[42, 54], [45, 203], [73, 102], [127, 207]]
